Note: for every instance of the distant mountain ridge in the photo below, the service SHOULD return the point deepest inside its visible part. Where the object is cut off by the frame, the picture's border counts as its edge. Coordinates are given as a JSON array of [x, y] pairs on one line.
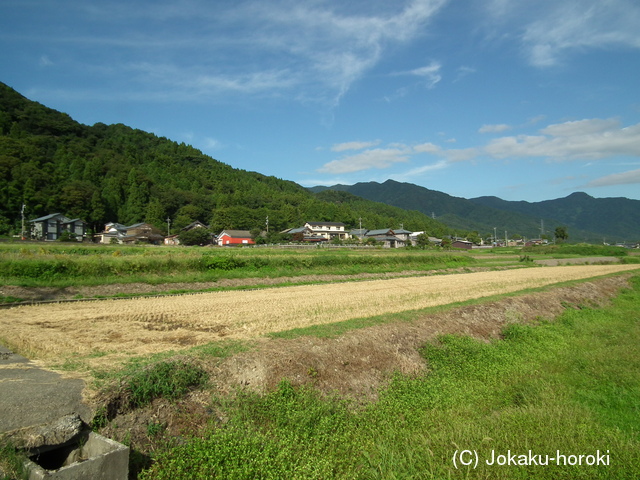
[[586, 218]]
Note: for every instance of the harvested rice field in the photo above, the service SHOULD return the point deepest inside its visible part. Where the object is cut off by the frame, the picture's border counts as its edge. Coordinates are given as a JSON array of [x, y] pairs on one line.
[[114, 329]]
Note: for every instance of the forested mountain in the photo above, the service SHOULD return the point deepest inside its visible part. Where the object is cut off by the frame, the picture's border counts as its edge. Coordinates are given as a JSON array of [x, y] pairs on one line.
[[587, 218], [615, 219], [101, 173]]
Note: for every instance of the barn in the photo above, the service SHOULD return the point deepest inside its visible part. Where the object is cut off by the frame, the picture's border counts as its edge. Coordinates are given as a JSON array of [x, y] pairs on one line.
[[235, 237]]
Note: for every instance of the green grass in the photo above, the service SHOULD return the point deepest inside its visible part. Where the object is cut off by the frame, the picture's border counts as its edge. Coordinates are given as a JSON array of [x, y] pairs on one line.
[[61, 266], [12, 463], [578, 249], [569, 385]]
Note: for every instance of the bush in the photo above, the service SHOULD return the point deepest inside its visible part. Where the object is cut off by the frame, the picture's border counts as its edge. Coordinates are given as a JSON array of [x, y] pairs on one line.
[[196, 236], [170, 379]]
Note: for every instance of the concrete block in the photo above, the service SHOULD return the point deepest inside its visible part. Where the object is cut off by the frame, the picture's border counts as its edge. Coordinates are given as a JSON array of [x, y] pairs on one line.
[[96, 457]]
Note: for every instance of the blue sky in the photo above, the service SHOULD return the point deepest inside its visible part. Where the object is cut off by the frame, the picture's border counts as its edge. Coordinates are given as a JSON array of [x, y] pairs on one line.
[[524, 100]]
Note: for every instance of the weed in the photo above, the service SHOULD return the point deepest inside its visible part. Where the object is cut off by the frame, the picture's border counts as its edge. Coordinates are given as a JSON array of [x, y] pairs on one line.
[[12, 463], [169, 379]]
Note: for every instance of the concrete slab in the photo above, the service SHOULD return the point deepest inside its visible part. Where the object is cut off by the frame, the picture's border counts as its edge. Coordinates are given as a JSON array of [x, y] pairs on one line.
[[31, 395]]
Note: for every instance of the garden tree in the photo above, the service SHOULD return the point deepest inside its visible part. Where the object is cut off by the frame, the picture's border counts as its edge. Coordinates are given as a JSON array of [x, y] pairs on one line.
[[255, 235], [195, 236], [474, 238], [370, 241], [446, 243], [422, 241], [561, 234]]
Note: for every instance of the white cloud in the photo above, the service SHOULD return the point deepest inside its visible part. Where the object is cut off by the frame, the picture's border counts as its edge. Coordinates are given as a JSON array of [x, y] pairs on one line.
[[427, 148], [548, 30], [463, 71], [624, 178], [430, 74], [45, 61], [494, 128], [377, 158], [416, 172], [578, 24], [308, 51], [589, 139], [341, 147], [583, 139]]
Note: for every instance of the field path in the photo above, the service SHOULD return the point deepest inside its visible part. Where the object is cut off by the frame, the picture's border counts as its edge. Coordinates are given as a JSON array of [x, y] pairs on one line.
[[144, 325]]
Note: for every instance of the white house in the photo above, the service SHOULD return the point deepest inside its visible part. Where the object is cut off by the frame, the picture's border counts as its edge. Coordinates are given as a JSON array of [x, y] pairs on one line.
[[328, 230]]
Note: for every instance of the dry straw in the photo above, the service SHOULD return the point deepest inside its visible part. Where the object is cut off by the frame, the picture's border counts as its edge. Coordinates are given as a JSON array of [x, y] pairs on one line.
[[146, 325]]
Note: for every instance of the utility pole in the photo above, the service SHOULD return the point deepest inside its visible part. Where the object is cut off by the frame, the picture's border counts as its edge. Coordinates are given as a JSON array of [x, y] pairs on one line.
[[506, 243], [22, 212], [360, 220], [495, 240], [168, 227], [267, 222]]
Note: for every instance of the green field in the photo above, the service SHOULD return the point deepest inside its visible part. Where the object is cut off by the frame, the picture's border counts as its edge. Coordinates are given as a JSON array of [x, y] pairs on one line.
[[569, 387], [66, 265]]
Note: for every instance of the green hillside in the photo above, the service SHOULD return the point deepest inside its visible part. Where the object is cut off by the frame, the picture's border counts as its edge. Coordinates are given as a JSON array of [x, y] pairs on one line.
[[102, 173]]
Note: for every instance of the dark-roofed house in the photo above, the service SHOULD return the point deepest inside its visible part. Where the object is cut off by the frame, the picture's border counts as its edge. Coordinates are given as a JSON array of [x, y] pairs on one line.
[[136, 233], [387, 237], [175, 240], [235, 237], [462, 244], [51, 227]]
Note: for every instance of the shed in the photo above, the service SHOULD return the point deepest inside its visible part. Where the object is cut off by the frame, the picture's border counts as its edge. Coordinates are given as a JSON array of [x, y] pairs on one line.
[[235, 237]]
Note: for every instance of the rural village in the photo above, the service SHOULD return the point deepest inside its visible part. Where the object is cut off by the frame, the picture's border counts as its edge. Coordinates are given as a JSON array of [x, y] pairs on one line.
[[57, 226]]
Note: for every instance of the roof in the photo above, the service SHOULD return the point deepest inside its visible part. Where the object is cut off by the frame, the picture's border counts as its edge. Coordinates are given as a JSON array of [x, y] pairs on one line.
[[402, 232], [382, 231], [236, 233], [47, 217], [359, 231], [195, 224], [332, 224], [297, 230]]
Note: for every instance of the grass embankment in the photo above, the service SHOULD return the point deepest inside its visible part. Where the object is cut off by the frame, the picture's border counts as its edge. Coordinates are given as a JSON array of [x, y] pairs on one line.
[[578, 249], [569, 387], [63, 265]]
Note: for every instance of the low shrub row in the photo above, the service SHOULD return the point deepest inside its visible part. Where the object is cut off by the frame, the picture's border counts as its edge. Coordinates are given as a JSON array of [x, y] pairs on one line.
[[57, 267]]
